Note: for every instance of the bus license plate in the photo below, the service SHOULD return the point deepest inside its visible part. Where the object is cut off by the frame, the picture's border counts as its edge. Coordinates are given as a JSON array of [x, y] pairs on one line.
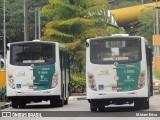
[[117, 88]]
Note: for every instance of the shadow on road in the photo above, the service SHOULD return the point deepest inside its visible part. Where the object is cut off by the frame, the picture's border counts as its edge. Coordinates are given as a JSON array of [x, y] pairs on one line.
[[38, 106], [107, 109], [120, 109]]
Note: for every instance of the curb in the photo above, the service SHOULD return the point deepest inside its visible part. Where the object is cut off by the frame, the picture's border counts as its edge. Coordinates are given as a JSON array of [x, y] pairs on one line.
[[77, 98], [7, 105], [156, 87]]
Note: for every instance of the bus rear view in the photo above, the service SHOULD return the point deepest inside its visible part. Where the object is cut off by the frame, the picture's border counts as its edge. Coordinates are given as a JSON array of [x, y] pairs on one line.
[[36, 72], [117, 72]]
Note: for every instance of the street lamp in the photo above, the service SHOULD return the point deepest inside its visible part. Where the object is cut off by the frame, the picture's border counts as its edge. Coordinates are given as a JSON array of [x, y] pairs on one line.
[[39, 24], [26, 23], [35, 24], [37, 13], [142, 2], [157, 33], [157, 20], [4, 31]]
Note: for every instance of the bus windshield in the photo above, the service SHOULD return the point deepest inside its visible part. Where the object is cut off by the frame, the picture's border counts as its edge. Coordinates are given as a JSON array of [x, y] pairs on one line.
[[32, 53], [115, 50]]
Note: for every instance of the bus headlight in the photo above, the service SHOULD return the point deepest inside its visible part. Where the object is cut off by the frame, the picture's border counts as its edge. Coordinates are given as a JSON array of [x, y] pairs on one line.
[[141, 81], [11, 82], [91, 82], [55, 80]]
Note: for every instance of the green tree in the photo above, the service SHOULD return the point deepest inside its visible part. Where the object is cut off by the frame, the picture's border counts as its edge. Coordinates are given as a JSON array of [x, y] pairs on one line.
[[145, 27], [15, 19], [73, 21]]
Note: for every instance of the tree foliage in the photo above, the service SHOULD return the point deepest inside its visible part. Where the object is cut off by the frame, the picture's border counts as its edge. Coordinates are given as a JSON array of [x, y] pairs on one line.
[[15, 19], [145, 27], [73, 21]]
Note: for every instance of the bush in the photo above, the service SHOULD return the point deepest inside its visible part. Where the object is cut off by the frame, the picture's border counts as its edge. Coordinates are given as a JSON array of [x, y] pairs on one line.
[[157, 74], [78, 83], [3, 97]]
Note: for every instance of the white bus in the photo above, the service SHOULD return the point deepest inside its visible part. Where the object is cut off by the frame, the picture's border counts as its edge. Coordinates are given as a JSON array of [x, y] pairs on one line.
[[37, 71], [118, 71]]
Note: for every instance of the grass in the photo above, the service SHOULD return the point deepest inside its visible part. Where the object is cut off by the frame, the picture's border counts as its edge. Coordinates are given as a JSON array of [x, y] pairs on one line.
[[157, 74]]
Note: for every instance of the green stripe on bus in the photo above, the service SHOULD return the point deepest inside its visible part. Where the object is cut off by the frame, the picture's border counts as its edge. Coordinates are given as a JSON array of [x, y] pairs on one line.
[[43, 75], [128, 76]]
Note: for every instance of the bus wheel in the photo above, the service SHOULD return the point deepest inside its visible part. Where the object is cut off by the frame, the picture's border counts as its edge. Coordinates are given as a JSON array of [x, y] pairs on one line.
[[66, 101], [101, 109], [61, 103], [14, 104], [138, 104], [22, 105], [54, 102], [146, 103], [93, 107]]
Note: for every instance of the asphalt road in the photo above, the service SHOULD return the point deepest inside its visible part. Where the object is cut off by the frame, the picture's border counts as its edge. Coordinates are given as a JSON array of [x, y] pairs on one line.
[[83, 105], [80, 109]]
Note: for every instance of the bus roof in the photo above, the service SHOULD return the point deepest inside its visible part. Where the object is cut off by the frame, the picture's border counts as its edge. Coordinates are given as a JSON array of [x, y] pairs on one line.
[[118, 36], [62, 46]]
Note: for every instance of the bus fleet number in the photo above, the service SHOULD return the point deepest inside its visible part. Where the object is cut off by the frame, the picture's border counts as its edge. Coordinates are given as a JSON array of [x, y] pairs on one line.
[[129, 71]]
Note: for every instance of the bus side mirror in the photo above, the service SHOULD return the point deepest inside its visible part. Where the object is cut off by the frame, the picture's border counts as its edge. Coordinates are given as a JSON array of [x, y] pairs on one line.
[[1, 64], [87, 44], [7, 48]]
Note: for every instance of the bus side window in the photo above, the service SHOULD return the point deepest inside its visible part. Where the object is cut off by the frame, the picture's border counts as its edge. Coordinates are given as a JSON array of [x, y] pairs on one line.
[[147, 56], [67, 61], [60, 57], [64, 60]]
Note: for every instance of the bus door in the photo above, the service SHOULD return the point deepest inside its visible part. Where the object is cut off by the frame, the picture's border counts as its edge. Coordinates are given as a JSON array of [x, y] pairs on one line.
[[63, 74], [149, 58], [67, 68]]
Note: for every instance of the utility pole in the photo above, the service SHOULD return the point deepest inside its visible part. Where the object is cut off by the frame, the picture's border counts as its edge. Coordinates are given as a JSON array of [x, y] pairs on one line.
[[157, 20], [39, 24], [4, 37], [157, 34], [142, 2], [26, 21], [35, 24]]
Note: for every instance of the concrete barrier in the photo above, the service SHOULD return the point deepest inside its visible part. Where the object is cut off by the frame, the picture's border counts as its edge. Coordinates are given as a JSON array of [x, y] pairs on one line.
[[2, 78]]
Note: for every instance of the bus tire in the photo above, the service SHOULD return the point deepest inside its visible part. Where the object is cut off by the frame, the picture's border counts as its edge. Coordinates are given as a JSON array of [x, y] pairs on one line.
[[14, 104], [66, 101], [93, 107], [146, 103], [61, 103], [54, 102], [138, 104], [101, 109], [22, 105]]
